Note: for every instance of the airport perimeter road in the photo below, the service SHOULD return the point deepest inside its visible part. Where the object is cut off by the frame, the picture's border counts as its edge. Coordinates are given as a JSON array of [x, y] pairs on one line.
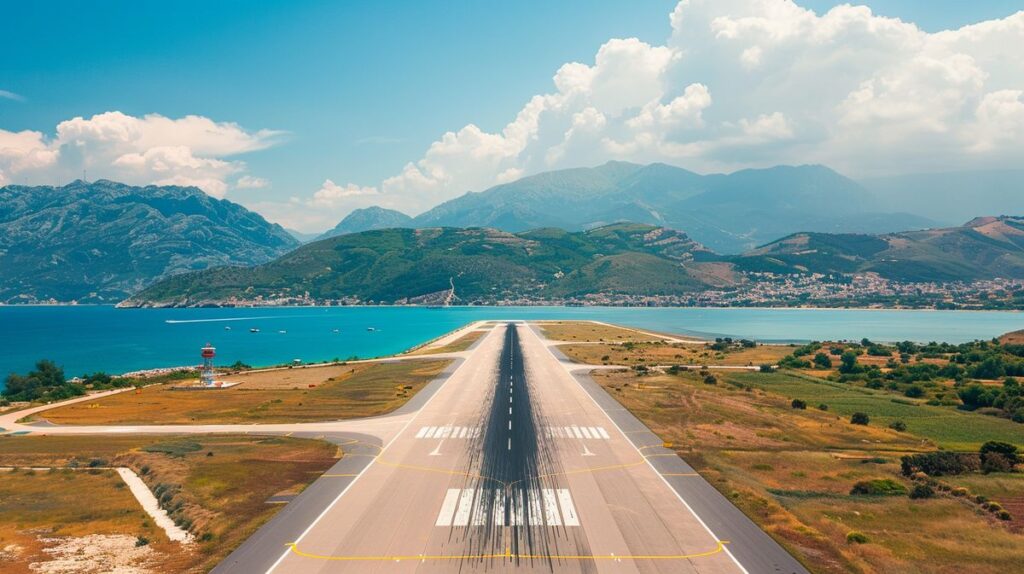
[[509, 466]]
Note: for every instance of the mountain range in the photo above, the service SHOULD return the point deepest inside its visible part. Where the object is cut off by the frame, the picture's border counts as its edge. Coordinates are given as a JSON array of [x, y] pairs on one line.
[[983, 248], [728, 213], [102, 241], [484, 265]]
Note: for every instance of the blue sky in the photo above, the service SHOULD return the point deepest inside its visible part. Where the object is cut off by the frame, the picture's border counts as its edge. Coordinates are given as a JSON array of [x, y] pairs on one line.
[[358, 88]]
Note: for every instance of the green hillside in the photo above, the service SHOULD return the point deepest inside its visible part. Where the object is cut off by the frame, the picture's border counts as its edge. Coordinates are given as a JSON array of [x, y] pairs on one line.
[[483, 265]]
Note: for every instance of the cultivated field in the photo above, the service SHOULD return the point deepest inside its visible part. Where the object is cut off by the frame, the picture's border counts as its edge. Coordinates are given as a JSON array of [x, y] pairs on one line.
[[216, 487], [281, 396]]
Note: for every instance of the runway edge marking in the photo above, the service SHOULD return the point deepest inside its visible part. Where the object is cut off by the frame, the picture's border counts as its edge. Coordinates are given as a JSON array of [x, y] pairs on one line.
[[655, 470], [405, 427]]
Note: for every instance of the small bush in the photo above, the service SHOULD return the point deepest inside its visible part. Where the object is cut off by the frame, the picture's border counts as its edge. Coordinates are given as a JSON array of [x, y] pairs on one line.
[[141, 541], [921, 491], [878, 487], [822, 407], [860, 419], [710, 380], [854, 537], [898, 426], [1004, 515], [959, 492], [798, 404]]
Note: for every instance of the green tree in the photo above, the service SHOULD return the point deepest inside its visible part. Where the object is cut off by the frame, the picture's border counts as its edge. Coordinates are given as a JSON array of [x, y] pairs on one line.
[[823, 361], [849, 363], [860, 419], [1005, 449]]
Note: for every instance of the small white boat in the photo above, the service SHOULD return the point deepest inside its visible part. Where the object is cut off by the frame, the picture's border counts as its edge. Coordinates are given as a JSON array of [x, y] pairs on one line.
[[370, 329], [227, 328], [336, 331], [254, 330], [282, 332]]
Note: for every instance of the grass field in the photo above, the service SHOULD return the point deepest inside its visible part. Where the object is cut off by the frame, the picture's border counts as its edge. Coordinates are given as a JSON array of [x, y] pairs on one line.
[[221, 484], [944, 426], [672, 354], [282, 396], [791, 471], [591, 332]]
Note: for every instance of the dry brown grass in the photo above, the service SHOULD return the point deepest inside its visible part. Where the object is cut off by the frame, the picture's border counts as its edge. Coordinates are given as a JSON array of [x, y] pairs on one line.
[[591, 332], [672, 354], [289, 395], [791, 471], [1012, 338], [222, 483], [461, 344], [45, 504]]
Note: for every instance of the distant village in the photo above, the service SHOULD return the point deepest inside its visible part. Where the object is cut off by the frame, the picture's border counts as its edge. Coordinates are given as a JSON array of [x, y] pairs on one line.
[[868, 290]]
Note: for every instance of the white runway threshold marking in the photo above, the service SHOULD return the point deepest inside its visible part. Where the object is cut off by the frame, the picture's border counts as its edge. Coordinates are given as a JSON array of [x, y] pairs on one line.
[[594, 433], [547, 507], [444, 432]]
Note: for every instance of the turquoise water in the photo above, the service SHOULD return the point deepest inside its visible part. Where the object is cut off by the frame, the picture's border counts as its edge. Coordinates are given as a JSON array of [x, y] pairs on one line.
[[85, 339]]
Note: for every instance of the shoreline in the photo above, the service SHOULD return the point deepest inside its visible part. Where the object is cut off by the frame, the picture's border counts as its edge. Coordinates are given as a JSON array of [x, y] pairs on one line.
[[522, 306]]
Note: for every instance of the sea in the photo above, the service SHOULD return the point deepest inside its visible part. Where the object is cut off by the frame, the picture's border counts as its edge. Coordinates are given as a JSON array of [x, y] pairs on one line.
[[85, 339]]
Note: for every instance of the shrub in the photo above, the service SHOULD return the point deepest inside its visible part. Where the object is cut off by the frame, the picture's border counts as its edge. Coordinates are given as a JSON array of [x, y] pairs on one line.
[[878, 487], [1004, 515], [995, 462], [938, 463], [766, 368], [1005, 449], [860, 419], [141, 541], [710, 380], [959, 492], [798, 404], [823, 361], [921, 491], [854, 537], [822, 407], [914, 391], [899, 426]]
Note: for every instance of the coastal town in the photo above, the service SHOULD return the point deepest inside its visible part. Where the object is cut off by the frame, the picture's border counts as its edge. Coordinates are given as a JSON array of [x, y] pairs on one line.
[[756, 289]]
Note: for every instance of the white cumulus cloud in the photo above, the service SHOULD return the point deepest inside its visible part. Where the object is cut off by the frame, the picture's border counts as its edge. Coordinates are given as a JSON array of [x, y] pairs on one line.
[[747, 83], [151, 149]]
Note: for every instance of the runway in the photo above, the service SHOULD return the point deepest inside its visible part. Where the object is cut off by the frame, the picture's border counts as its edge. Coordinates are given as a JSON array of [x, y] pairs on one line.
[[511, 465]]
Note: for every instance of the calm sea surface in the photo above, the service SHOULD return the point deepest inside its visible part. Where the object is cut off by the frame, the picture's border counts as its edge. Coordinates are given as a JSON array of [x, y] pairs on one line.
[[86, 339]]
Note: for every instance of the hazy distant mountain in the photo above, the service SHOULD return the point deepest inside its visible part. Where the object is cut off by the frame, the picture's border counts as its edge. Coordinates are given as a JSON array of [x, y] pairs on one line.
[[367, 219], [482, 265], [302, 237], [728, 213], [983, 248], [101, 241], [947, 197]]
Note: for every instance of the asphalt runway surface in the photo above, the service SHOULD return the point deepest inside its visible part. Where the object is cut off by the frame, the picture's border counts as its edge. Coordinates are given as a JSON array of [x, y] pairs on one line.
[[511, 463]]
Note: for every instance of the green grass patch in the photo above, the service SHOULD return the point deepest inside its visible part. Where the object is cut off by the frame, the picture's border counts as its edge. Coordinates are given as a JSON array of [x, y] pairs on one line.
[[947, 427]]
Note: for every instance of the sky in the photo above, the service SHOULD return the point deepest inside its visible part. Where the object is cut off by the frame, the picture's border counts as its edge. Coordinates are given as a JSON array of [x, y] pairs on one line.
[[305, 110]]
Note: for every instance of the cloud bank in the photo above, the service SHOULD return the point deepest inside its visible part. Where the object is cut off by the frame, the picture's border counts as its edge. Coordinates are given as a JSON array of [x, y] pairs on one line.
[[153, 149], [742, 83]]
